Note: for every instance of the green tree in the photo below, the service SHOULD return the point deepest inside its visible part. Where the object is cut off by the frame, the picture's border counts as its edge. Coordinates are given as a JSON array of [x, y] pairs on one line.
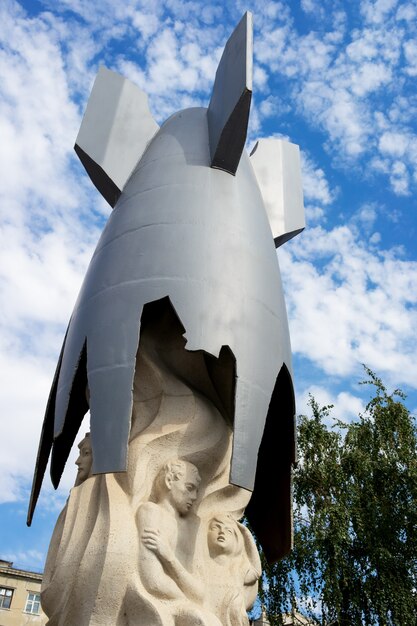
[[355, 544]]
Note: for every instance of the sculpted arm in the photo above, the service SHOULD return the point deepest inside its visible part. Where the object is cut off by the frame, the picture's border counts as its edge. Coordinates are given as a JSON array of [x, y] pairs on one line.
[[152, 574], [161, 571], [188, 584]]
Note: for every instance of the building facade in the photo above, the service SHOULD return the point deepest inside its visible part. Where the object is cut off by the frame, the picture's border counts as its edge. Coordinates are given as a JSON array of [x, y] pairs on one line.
[[20, 596]]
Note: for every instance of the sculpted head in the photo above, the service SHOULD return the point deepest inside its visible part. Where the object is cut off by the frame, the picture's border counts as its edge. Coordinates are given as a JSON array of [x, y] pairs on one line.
[[177, 482], [84, 461], [223, 536]]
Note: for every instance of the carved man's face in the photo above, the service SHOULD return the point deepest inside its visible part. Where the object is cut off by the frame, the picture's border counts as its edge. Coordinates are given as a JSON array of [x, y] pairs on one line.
[[222, 536], [183, 491], [84, 461]]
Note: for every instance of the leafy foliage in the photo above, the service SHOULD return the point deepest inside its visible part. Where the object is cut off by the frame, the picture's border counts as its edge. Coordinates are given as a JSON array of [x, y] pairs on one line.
[[355, 545]]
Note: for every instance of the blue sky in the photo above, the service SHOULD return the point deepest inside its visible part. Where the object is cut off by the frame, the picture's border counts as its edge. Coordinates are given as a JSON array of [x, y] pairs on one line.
[[336, 78]]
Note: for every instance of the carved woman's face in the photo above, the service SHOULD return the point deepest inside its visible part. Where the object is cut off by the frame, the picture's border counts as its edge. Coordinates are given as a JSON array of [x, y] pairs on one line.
[[84, 461], [222, 536]]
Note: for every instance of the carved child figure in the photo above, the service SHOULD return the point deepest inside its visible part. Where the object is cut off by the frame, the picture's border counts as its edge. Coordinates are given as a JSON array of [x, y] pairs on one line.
[[166, 529]]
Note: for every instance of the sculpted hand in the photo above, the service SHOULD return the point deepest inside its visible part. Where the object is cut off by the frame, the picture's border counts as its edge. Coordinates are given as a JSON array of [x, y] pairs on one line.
[[185, 583], [151, 538]]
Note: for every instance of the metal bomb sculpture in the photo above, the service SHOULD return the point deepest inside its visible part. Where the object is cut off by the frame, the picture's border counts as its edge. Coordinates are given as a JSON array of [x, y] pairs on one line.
[[179, 347]]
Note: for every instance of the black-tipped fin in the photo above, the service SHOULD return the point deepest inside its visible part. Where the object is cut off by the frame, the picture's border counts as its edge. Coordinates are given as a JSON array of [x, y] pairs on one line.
[[228, 111]]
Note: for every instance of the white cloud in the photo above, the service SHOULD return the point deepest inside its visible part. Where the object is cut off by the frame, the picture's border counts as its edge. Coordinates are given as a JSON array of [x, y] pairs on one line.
[[410, 52], [260, 79], [146, 23], [406, 11], [376, 10], [265, 12], [394, 143], [349, 305], [370, 77], [340, 72], [314, 214], [340, 80], [400, 178], [315, 185], [270, 49], [45, 244], [309, 6], [346, 406], [366, 216]]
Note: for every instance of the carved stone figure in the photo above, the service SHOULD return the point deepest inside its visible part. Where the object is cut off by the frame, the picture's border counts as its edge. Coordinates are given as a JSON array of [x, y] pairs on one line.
[[84, 461], [233, 570], [180, 338], [162, 532], [135, 543]]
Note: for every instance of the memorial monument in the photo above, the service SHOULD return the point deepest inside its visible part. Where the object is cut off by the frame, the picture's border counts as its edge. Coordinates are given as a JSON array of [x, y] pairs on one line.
[[179, 347]]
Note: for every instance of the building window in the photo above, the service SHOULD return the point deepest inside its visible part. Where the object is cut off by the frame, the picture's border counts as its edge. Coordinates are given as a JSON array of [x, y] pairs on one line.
[[33, 603], [5, 597]]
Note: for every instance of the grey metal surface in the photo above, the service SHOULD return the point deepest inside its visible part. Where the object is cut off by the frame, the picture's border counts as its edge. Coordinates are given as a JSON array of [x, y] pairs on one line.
[[184, 230], [116, 128], [200, 236], [278, 170], [228, 111]]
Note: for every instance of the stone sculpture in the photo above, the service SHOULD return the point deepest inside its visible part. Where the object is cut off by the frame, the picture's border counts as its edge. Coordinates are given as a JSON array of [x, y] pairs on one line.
[[179, 347], [159, 524], [234, 568], [84, 461]]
